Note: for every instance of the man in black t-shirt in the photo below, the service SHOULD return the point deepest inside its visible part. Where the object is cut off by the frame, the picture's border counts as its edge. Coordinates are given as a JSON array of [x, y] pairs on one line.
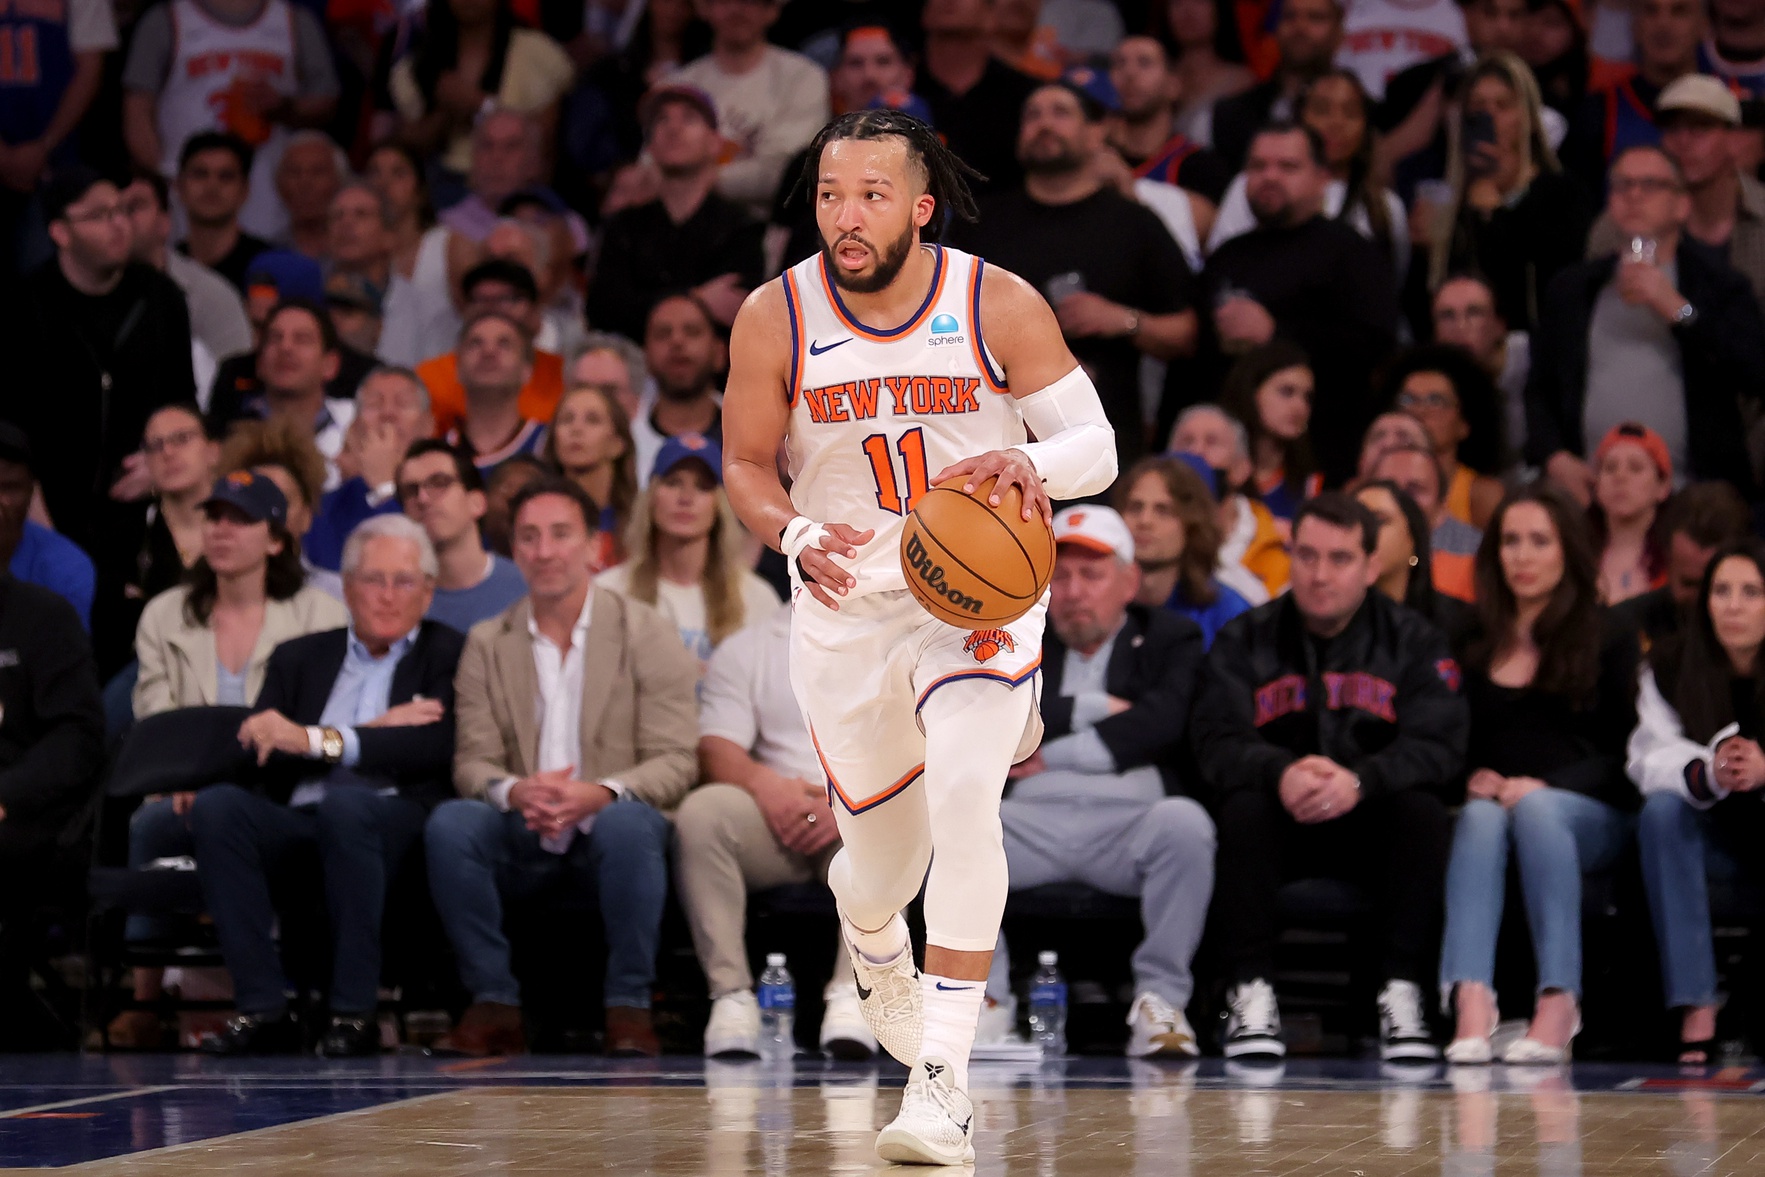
[[975, 99], [214, 178], [1311, 280], [1117, 282]]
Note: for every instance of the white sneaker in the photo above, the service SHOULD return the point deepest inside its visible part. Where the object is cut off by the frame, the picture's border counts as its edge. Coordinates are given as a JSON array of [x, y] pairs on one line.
[[844, 1034], [998, 1023], [1404, 1033], [1253, 1025], [890, 1000], [936, 1122], [734, 1028], [1156, 1030]]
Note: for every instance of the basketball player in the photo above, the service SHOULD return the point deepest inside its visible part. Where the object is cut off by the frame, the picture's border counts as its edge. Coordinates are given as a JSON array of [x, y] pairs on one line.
[[885, 364]]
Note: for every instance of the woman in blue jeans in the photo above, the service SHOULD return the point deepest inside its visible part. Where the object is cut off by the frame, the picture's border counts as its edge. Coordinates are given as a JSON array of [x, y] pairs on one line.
[[1696, 757], [1551, 699]]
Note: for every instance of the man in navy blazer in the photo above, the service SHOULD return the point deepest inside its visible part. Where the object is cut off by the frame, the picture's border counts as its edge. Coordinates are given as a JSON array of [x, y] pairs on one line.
[[354, 736]]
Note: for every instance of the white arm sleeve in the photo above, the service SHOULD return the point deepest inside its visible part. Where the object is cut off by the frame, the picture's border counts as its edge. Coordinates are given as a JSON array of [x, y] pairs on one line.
[[1074, 450]]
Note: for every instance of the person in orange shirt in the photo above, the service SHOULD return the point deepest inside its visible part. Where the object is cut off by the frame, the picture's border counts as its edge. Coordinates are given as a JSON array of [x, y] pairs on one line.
[[1416, 470], [508, 289]]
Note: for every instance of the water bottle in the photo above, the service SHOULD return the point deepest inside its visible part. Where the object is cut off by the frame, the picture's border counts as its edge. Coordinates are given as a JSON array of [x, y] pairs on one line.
[[778, 1003], [1048, 1005]]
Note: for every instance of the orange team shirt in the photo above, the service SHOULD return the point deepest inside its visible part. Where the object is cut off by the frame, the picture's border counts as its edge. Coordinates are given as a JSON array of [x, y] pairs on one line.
[[447, 399]]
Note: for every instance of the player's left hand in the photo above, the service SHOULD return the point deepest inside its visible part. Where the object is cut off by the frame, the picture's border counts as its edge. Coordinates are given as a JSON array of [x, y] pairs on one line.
[[1013, 468]]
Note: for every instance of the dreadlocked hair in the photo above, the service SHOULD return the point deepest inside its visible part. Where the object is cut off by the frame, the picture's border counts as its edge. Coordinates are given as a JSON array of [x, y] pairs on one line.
[[944, 173]]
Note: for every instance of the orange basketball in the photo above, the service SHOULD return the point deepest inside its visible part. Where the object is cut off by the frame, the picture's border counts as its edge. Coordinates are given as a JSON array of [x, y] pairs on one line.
[[972, 564]]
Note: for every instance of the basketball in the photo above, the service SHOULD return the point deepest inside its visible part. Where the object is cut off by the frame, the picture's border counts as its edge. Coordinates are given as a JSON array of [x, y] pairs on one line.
[[972, 564]]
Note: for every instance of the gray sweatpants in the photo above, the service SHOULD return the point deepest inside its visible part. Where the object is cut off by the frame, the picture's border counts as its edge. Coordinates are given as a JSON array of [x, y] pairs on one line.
[[1123, 836]]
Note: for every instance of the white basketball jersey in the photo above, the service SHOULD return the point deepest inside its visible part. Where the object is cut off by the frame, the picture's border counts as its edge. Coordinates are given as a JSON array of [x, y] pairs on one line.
[[875, 414]]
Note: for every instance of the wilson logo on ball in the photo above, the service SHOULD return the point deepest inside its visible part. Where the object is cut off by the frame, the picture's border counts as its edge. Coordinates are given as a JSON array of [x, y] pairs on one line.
[[931, 575]]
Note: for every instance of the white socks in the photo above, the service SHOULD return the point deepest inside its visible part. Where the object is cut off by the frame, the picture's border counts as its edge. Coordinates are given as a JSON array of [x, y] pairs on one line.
[[952, 1011], [882, 945]]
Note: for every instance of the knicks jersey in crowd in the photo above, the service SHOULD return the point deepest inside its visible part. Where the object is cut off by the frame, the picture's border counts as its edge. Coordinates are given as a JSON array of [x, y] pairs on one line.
[[874, 414]]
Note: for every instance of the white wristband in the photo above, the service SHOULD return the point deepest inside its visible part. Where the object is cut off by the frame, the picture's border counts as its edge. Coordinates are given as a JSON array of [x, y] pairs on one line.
[[800, 533]]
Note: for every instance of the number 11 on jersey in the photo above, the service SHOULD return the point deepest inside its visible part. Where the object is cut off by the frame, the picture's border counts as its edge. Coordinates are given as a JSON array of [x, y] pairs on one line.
[[911, 447]]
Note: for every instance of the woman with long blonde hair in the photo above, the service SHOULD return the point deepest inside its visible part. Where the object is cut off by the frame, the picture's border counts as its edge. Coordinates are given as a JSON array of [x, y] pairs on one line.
[[1514, 217], [590, 444], [687, 556]]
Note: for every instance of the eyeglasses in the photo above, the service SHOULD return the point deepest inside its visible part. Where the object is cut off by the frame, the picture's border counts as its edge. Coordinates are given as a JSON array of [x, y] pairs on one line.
[[403, 582], [1647, 185], [1424, 400], [171, 441], [114, 212], [434, 484]]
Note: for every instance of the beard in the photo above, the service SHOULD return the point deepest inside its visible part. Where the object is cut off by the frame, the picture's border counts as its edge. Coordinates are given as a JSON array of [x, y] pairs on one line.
[[889, 261], [1271, 213]]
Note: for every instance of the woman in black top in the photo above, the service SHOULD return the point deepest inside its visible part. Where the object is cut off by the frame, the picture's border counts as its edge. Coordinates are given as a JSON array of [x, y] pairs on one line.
[[1551, 698], [1404, 556], [1696, 758]]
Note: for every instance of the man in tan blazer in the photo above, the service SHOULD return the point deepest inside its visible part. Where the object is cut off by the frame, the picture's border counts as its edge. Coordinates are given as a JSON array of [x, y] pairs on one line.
[[577, 734]]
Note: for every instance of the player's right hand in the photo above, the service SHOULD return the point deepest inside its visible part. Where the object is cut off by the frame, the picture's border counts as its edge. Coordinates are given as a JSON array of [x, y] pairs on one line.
[[821, 576]]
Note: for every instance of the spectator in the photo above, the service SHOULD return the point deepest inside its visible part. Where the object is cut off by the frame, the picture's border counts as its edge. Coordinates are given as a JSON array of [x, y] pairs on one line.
[[508, 157], [769, 101], [1404, 553], [667, 33], [420, 317], [1699, 118], [1453, 543], [1308, 34], [359, 243], [1551, 702], [214, 181], [273, 278], [1464, 315], [358, 312], [1622, 114], [689, 237], [1667, 337], [976, 100], [569, 787], [1514, 216], [181, 462], [1451, 396], [1144, 131], [1100, 802], [506, 289], [310, 174], [532, 235], [50, 772], [495, 365], [391, 412], [1348, 784], [94, 344], [1335, 105], [32, 553], [1695, 756], [300, 357], [1269, 392], [686, 358], [749, 826], [1696, 522], [255, 70], [218, 326], [1116, 280], [1632, 480], [500, 489], [475, 57], [353, 733], [1253, 552], [590, 444], [47, 98], [687, 557], [442, 490], [1387, 430], [1383, 38], [1201, 41], [1735, 51], [1171, 515], [1554, 45], [614, 365], [1312, 280], [282, 450]]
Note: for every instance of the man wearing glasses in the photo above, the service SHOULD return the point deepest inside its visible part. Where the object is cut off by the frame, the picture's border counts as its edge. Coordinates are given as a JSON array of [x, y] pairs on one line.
[[440, 488]]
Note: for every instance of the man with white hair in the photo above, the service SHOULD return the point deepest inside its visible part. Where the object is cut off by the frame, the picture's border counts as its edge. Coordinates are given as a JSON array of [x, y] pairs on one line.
[[1253, 553], [1101, 801], [354, 736]]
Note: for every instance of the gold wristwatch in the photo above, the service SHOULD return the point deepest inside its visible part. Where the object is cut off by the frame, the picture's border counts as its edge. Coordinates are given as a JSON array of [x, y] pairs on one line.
[[331, 745]]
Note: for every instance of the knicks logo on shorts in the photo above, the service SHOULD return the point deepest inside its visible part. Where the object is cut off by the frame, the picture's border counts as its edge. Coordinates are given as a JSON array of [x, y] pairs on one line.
[[985, 643]]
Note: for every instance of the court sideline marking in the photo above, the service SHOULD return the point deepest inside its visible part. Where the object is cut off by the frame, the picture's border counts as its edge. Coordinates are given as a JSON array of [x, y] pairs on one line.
[[71, 1103]]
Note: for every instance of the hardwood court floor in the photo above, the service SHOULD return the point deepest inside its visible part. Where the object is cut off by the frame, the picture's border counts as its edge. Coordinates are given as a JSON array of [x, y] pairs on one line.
[[1087, 1118]]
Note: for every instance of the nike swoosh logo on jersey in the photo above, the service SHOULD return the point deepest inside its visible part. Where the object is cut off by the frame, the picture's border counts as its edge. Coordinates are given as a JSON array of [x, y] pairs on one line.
[[815, 348]]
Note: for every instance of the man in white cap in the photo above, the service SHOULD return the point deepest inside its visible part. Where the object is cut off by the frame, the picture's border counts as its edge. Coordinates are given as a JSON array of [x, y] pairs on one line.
[[1100, 802], [1700, 120]]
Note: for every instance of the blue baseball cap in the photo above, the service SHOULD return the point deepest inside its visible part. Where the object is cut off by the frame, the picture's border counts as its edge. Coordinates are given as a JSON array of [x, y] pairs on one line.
[[259, 499], [294, 275], [1095, 92], [688, 447], [1210, 477], [904, 101]]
